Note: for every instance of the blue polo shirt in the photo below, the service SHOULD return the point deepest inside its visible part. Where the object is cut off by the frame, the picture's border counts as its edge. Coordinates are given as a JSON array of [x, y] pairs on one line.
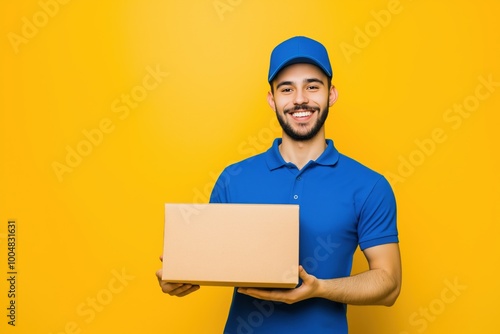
[[342, 203]]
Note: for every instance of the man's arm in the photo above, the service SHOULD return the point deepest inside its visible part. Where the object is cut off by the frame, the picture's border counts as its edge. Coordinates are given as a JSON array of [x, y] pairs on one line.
[[380, 285]]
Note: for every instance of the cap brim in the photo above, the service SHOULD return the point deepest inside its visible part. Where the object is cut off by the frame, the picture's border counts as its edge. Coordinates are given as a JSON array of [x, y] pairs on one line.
[[298, 60]]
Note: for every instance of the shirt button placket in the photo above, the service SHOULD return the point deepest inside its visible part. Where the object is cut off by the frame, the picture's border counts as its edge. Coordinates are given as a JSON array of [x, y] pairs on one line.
[[297, 189]]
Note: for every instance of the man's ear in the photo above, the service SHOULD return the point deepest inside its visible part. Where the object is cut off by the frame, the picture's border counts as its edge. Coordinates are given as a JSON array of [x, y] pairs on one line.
[[332, 96], [270, 101]]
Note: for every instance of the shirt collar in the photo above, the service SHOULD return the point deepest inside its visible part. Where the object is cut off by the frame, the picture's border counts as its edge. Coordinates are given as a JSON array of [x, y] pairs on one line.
[[329, 157]]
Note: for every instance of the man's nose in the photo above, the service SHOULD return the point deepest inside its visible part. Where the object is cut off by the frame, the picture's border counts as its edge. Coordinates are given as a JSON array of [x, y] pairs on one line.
[[300, 97]]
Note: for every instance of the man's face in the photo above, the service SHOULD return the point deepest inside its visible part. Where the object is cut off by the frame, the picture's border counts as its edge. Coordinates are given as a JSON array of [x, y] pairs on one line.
[[301, 100]]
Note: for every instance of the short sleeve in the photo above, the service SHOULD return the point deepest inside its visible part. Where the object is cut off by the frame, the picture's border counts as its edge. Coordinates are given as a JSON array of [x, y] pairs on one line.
[[378, 215]]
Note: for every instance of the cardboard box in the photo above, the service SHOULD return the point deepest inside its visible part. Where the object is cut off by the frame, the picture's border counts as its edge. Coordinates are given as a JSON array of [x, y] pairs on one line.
[[244, 245]]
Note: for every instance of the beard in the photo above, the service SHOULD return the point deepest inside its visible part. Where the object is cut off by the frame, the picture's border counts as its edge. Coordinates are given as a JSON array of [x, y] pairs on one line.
[[302, 136]]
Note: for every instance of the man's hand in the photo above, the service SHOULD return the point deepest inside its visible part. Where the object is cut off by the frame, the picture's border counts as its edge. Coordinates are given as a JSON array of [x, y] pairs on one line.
[[175, 289], [306, 290]]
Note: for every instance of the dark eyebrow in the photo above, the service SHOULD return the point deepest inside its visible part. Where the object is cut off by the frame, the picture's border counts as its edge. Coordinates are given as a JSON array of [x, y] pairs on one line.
[[284, 83], [290, 83], [314, 80]]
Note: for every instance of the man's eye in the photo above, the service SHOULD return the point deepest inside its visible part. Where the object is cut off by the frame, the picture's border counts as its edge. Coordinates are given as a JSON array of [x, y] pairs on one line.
[[313, 87], [286, 90]]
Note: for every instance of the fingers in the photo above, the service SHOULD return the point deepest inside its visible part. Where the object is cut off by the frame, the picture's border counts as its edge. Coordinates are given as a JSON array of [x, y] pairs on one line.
[[184, 290], [175, 289], [159, 275], [304, 276], [302, 273], [178, 289]]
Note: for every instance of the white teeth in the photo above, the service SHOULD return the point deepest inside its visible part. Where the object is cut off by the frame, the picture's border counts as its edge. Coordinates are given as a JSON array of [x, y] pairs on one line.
[[302, 114]]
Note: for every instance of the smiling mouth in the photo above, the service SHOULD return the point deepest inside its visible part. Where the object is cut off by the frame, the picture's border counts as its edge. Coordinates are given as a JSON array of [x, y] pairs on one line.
[[301, 114]]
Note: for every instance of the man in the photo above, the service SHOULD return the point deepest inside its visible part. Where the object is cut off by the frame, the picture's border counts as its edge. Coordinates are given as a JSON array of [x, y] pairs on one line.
[[343, 205]]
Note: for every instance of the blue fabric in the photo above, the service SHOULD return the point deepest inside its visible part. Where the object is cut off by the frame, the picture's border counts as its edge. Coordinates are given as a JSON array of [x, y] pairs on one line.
[[299, 49], [342, 203]]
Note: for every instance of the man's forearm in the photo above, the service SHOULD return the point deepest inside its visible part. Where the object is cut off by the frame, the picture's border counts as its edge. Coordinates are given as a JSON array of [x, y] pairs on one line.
[[372, 287]]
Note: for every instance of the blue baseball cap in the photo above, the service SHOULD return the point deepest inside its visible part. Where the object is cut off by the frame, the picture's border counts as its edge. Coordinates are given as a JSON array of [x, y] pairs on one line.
[[299, 49]]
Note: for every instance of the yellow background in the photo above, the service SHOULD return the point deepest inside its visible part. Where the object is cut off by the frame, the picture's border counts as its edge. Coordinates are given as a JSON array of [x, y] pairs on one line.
[[399, 68]]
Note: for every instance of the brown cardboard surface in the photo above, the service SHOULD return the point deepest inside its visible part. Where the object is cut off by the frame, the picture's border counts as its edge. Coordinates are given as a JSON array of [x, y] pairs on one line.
[[245, 245]]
